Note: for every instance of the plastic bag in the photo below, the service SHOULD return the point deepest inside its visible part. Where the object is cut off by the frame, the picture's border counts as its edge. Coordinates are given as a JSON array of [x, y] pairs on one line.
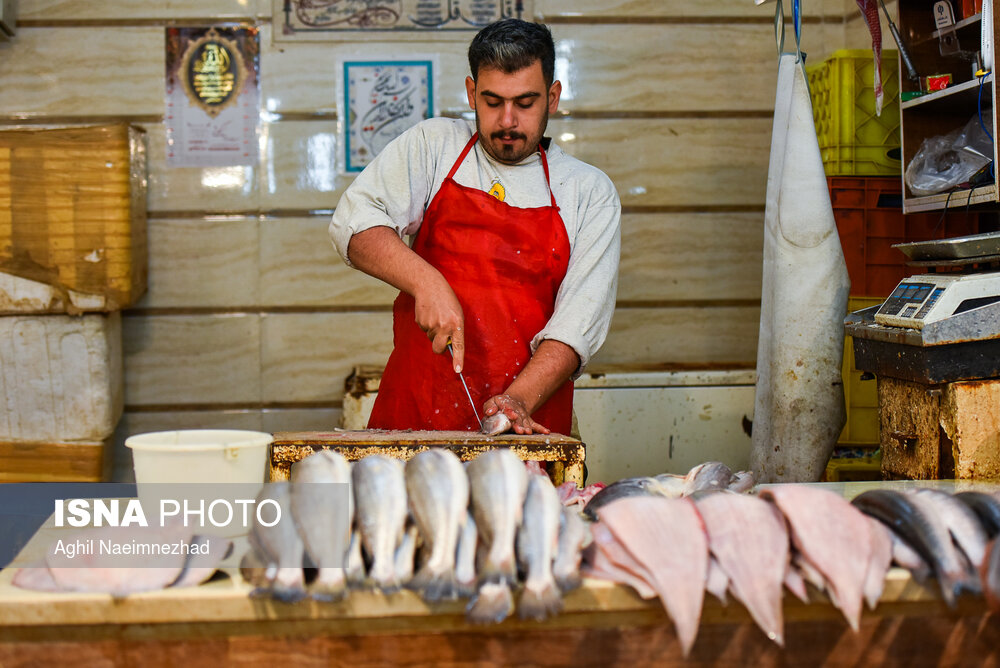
[[946, 161]]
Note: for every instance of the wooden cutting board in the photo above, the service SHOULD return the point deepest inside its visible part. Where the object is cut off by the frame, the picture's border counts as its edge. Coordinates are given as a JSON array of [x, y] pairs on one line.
[[563, 456]]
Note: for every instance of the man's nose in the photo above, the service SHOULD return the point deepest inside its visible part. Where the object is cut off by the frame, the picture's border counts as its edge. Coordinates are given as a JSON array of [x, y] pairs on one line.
[[508, 119]]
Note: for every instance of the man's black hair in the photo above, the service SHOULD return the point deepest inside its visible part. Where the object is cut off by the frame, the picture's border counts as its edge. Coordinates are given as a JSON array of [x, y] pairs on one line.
[[510, 45]]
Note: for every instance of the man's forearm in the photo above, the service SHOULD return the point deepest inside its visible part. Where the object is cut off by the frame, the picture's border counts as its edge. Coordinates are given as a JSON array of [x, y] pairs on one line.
[[379, 252], [552, 365]]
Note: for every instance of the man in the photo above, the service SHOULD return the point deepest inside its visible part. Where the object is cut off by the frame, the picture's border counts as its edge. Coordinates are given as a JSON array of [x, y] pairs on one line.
[[515, 258]]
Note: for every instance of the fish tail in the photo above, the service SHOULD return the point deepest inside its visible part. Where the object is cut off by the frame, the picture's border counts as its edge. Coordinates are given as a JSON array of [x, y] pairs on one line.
[[465, 589], [289, 585], [329, 585], [569, 581], [492, 604], [499, 568], [539, 600], [435, 586]]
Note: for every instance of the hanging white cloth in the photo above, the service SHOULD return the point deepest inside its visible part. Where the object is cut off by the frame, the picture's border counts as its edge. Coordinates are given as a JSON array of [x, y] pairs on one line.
[[799, 403]]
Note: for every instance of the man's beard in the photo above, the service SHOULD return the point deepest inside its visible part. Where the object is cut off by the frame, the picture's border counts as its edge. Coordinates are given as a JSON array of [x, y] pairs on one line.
[[510, 154]]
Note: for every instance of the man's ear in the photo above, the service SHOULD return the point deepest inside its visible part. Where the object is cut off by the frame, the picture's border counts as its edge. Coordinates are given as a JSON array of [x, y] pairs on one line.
[[470, 89], [555, 90]]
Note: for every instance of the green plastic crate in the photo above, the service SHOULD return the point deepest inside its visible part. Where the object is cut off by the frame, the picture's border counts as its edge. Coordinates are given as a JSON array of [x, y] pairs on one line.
[[852, 139], [860, 396]]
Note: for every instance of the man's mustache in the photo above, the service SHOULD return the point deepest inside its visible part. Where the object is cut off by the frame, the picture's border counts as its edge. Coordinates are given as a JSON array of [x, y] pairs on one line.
[[508, 135]]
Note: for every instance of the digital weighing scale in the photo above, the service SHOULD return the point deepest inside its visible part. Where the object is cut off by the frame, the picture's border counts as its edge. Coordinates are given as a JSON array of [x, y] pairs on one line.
[[932, 297], [941, 326]]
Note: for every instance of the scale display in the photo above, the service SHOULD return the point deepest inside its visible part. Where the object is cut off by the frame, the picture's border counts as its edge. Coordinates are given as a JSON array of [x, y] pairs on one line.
[[927, 298]]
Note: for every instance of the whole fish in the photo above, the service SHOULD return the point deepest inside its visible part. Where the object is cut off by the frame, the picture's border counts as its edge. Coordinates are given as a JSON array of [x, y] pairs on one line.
[[498, 483], [904, 556], [496, 424], [537, 543], [665, 485], [405, 554], [438, 493], [708, 476], [880, 562], [908, 517], [573, 537], [986, 507], [280, 545], [465, 558], [963, 523], [990, 573], [323, 510], [201, 565], [380, 508]]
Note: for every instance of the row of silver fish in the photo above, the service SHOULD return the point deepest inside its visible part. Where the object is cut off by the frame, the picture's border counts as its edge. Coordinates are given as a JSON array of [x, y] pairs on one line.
[[753, 547], [475, 530]]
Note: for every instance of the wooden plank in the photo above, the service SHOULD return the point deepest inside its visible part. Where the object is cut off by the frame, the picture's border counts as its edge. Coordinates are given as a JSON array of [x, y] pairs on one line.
[[56, 462]]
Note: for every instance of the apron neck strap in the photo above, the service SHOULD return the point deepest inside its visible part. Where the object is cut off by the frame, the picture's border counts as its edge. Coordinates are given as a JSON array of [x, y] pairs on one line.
[[472, 142]]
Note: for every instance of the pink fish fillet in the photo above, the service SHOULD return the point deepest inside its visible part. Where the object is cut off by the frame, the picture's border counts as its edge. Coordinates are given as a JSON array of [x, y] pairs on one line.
[[833, 536], [35, 576], [796, 583], [668, 538], [749, 539], [614, 558], [100, 573], [879, 564], [598, 565], [717, 582]]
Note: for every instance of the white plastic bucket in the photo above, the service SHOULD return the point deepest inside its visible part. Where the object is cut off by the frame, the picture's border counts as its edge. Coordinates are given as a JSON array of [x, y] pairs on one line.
[[200, 455]]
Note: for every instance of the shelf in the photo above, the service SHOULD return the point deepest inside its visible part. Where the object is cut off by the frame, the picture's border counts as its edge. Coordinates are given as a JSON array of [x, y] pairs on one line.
[[959, 199], [975, 18], [967, 87]]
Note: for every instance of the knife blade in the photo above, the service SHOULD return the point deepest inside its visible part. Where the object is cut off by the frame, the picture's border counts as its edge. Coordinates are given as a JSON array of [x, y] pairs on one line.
[[467, 393]]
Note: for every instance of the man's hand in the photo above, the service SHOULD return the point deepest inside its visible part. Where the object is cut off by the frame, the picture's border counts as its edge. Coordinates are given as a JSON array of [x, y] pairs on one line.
[[439, 314], [516, 412], [379, 252]]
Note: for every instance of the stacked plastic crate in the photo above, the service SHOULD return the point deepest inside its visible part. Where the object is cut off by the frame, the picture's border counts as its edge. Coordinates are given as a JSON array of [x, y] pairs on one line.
[[860, 151], [72, 255]]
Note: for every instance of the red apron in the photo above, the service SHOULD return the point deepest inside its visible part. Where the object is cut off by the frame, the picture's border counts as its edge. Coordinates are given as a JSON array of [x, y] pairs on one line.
[[505, 265]]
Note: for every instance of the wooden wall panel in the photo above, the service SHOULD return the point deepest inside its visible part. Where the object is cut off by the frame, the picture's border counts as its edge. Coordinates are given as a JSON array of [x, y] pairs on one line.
[[203, 263], [216, 10], [664, 162], [307, 356], [191, 359], [703, 335], [75, 72], [691, 256], [300, 267]]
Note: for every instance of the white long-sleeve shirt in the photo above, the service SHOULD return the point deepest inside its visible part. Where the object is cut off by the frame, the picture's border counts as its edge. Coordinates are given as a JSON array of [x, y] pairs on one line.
[[399, 184]]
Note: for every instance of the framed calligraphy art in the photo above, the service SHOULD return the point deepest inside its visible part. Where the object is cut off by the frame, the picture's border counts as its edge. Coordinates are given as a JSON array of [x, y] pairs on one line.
[[396, 20], [381, 99]]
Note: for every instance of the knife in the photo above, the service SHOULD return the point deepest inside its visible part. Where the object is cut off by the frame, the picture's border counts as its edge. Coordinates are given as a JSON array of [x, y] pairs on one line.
[[467, 393]]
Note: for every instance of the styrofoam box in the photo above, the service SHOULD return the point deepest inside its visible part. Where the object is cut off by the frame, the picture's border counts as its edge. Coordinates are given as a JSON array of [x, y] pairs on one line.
[[61, 377]]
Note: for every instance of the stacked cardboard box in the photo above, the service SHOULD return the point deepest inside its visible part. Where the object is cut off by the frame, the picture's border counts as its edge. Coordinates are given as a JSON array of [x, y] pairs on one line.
[[72, 254]]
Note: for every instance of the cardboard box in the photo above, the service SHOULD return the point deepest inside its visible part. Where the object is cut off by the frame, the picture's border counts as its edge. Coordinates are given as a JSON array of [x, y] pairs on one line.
[[72, 219], [61, 377]]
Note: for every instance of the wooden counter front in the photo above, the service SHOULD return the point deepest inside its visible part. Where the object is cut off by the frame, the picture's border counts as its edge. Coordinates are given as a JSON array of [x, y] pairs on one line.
[[603, 624]]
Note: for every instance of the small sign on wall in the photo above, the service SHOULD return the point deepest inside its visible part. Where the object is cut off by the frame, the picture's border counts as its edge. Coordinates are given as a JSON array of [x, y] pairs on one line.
[[212, 96], [379, 101], [395, 20]]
